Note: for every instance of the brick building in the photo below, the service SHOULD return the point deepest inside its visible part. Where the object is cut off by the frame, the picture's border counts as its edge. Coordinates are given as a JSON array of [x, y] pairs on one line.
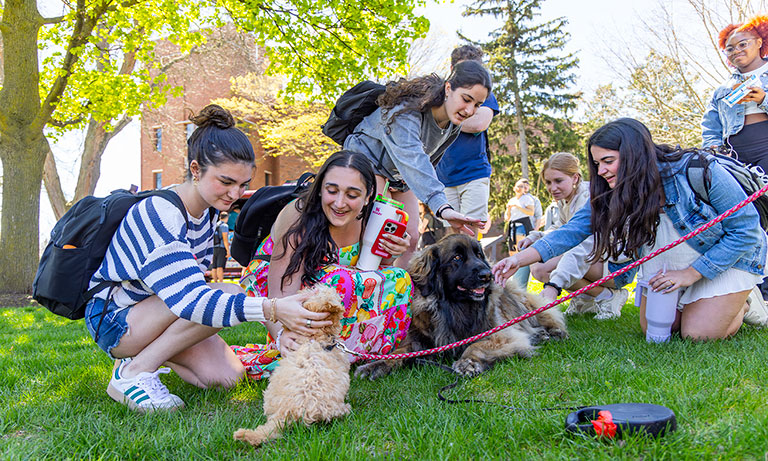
[[204, 75]]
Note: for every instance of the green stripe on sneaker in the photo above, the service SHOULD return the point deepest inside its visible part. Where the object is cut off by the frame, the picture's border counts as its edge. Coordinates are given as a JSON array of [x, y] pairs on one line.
[[141, 399]]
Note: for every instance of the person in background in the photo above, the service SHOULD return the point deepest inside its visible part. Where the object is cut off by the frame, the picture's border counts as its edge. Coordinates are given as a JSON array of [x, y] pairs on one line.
[[742, 130], [517, 217], [407, 135], [537, 220], [573, 270], [232, 219], [220, 248], [159, 311], [430, 229], [641, 201], [465, 169]]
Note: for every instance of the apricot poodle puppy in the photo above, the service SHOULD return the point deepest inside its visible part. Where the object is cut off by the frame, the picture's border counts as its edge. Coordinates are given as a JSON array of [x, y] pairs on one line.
[[311, 384]]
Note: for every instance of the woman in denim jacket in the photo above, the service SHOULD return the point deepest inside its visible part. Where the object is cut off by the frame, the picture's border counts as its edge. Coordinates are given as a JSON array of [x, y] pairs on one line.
[[743, 127], [407, 135], [639, 206]]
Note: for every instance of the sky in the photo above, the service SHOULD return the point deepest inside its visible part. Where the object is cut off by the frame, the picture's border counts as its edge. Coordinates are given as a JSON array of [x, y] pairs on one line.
[[594, 26]]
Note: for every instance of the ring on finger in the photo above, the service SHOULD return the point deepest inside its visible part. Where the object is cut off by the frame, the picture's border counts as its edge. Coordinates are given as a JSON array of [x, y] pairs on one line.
[[309, 323]]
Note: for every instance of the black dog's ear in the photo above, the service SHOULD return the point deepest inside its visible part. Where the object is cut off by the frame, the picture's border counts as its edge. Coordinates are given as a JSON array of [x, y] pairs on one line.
[[425, 271]]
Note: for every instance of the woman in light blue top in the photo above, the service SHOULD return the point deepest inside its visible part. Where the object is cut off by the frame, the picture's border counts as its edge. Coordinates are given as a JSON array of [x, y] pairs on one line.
[[743, 127], [407, 135], [640, 201]]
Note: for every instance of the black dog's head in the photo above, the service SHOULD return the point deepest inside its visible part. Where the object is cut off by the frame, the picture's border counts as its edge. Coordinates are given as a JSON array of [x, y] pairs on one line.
[[455, 267]]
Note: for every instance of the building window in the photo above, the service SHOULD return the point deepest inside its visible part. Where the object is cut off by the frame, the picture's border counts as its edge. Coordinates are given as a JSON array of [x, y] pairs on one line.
[[158, 139], [190, 127], [267, 178], [157, 178]]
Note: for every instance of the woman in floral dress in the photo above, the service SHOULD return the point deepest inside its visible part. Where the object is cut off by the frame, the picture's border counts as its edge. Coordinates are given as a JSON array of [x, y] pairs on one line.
[[316, 239]]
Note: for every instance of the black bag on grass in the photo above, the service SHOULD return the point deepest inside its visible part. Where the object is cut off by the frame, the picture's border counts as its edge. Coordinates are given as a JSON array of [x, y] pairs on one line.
[[254, 223], [351, 108], [78, 244]]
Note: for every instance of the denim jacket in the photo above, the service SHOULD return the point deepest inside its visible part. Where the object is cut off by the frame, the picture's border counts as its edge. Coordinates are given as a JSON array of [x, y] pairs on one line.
[[400, 154], [738, 241], [720, 120]]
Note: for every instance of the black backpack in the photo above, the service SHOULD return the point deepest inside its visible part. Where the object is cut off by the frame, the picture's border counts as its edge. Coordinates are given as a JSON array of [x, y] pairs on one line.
[[78, 244], [218, 235], [254, 223], [351, 108], [750, 178]]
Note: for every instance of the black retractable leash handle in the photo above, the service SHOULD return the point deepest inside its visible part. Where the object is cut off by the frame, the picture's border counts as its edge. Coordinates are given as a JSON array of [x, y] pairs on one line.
[[655, 420]]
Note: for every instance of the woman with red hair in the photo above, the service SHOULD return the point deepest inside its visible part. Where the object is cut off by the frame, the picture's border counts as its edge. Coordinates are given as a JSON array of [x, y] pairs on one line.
[[743, 127]]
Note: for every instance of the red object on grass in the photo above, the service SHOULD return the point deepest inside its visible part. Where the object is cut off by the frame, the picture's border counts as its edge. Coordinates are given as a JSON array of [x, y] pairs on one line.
[[604, 425]]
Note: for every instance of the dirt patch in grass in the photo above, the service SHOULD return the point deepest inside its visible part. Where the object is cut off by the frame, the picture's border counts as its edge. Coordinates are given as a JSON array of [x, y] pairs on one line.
[[17, 300]]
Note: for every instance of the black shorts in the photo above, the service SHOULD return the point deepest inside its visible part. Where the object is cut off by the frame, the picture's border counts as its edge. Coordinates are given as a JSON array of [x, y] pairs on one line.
[[219, 257]]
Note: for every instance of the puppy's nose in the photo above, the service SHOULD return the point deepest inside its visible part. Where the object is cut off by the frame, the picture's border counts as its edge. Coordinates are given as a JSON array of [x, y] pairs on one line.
[[484, 275]]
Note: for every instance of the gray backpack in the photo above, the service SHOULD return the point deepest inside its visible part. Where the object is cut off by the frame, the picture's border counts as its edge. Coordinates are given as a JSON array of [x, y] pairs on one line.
[[750, 178]]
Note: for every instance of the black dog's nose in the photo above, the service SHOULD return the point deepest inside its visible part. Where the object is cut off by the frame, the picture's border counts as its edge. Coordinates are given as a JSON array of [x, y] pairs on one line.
[[484, 275]]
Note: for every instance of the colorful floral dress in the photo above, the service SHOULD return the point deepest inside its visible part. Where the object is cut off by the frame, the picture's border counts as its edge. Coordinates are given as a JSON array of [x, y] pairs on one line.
[[377, 307]]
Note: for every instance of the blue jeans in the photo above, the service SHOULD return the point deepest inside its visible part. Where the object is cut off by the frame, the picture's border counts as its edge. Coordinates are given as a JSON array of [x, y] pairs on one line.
[[112, 328]]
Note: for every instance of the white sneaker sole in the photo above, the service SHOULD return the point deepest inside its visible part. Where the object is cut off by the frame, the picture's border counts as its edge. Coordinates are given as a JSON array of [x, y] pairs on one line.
[[119, 397]]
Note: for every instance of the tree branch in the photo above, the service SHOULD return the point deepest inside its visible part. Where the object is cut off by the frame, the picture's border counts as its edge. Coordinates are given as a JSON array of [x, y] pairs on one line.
[[53, 20]]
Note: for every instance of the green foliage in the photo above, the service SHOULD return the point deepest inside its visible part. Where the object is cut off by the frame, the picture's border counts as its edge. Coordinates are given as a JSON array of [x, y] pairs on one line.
[[667, 99], [326, 46], [532, 77], [284, 127], [53, 402]]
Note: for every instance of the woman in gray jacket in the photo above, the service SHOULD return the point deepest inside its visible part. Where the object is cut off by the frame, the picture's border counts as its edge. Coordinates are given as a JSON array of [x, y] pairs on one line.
[[407, 135]]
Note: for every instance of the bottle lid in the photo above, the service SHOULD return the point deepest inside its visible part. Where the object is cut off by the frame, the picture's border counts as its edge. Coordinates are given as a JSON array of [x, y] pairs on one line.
[[389, 201]]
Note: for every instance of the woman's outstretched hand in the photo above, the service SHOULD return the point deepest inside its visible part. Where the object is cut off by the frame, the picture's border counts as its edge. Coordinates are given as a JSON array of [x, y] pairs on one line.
[[460, 222], [505, 269], [293, 316]]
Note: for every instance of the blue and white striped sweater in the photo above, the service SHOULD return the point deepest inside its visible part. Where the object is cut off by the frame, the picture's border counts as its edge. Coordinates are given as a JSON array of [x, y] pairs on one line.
[[153, 252]]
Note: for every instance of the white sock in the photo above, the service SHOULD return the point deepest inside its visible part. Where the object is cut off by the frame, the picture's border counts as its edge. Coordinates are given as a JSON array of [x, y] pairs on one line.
[[607, 293]]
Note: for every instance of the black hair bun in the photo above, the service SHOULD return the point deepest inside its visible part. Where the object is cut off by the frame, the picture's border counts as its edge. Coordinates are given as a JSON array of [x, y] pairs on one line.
[[213, 115]]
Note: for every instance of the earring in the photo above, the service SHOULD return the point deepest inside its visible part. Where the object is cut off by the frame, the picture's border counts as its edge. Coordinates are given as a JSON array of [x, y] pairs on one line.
[[195, 181]]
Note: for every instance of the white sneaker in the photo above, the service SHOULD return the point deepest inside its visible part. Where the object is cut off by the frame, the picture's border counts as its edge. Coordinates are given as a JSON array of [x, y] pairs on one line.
[[758, 313], [581, 304], [611, 308], [144, 392]]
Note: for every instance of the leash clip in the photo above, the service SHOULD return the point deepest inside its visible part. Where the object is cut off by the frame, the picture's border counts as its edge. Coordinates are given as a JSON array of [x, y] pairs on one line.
[[340, 344]]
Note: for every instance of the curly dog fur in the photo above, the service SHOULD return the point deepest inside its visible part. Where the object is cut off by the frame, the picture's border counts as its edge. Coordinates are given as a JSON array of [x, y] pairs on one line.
[[456, 298], [310, 384]]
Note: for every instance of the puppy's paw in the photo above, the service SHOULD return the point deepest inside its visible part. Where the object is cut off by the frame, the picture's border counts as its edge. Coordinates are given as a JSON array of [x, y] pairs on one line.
[[539, 336], [469, 367], [373, 370], [557, 333]]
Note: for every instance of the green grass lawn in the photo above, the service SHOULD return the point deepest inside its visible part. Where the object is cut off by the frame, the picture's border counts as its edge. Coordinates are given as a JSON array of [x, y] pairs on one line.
[[53, 402]]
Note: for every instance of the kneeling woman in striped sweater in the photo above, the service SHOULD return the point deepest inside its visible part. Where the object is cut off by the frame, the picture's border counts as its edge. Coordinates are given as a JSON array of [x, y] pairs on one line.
[[160, 311]]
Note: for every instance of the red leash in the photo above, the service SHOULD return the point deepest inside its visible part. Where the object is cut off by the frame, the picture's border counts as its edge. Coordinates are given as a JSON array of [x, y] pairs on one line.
[[556, 302]]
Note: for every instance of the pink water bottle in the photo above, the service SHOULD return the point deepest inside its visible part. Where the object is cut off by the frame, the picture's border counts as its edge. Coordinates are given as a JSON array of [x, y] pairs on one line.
[[387, 217]]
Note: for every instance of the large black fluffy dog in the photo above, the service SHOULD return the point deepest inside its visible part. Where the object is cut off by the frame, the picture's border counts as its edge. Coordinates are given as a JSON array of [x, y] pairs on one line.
[[455, 297]]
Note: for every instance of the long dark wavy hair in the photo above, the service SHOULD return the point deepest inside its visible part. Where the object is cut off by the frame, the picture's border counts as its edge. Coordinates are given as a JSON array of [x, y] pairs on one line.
[[625, 218], [310, 236], [422, 93]]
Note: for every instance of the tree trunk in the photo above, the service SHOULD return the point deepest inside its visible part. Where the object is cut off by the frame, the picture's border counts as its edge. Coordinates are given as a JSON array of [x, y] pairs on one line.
[[521, 138], [53, 186], [19, 242], [22, 146]]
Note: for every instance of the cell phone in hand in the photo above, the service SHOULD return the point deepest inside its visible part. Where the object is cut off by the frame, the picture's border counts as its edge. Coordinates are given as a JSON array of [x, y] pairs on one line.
[[390, 227]]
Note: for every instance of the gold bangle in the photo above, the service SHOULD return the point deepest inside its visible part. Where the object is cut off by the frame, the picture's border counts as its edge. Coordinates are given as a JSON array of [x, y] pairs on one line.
[[273, 316]]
